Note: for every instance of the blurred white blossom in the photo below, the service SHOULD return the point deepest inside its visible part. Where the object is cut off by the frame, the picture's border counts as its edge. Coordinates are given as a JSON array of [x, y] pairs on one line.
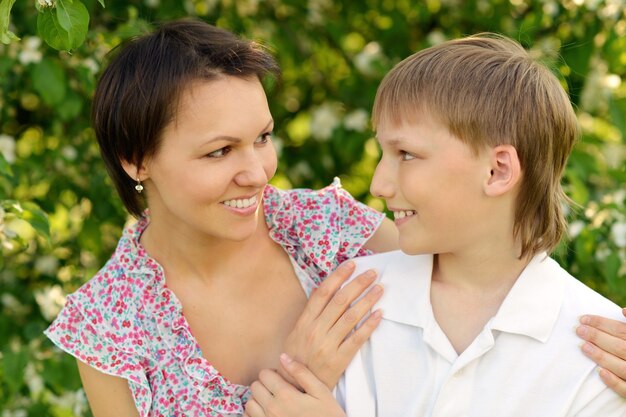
[[356, 120], [14, 413], [30, 52], [7, 148], [91, 65], [46, 3], [618, 233], [50, 300], [33, 379], [436, 37], [575, 228], [316, 9], [247, 7], [71, 400], [47, 265], [324, 120], [69, 152], [365, 60]]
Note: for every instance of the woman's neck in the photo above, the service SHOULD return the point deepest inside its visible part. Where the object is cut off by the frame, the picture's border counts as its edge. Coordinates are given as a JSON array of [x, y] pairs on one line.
[[192, 254]]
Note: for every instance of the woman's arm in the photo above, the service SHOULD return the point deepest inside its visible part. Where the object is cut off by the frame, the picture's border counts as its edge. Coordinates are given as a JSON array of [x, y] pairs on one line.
[[109, 396], [384, 239], [606, 345]]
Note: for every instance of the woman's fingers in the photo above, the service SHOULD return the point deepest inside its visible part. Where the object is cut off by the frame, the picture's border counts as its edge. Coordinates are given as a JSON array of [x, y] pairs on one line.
[[253, 409], [355, 314], [355, 341], [608, 335], [614, 382], [343, 298], [322, 295], [304, 377], [260, 393], [275, 384]]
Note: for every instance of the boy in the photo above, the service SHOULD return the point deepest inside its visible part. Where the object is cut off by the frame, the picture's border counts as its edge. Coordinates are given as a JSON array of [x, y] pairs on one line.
[[475, 136]]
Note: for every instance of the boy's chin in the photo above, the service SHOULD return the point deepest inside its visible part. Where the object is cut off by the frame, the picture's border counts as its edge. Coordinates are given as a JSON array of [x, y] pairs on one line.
[[414, 248]]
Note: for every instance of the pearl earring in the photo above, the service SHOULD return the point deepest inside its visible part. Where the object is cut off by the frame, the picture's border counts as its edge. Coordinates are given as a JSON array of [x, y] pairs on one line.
[[139, 187]]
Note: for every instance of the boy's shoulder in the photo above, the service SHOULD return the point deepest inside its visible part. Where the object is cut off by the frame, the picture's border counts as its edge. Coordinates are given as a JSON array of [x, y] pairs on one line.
[[580, 299], [397, 259]]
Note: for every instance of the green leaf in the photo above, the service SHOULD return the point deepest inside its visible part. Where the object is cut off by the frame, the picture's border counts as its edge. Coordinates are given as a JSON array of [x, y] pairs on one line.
[[5, 168], [102, 3], [73, 17], [50, 30], [49, 81], [14, 364], [71, 106], [6, 36], [37, 218]]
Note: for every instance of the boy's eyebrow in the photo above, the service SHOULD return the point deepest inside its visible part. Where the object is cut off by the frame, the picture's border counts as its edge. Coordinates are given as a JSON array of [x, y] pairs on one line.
[[394, 142], [235, 139]]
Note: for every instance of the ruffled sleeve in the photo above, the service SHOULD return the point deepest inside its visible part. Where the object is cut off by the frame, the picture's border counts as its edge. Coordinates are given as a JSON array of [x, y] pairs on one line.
[[320, 229], [89, 335]]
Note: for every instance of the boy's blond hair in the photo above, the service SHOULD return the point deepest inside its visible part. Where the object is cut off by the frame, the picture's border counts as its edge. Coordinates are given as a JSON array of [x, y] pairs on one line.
[[488, 91]]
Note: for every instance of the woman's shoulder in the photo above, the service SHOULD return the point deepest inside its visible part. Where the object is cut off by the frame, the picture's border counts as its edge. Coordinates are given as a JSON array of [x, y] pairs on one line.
[[319, 228]]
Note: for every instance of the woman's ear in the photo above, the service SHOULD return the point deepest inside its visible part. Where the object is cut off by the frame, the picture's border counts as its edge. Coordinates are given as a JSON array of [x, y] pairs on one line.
[[506, 171], [137, 173]]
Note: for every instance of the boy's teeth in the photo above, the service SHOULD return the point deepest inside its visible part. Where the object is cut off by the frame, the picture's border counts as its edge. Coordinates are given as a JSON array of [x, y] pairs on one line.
[[403, 213], [244, 203]]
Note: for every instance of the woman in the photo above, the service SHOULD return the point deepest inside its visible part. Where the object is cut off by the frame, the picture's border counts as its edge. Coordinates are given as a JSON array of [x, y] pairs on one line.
[[190, 308]]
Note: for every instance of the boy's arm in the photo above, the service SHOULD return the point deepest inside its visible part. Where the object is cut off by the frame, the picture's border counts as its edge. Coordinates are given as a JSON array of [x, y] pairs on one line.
[[384, 239], [606, 346]]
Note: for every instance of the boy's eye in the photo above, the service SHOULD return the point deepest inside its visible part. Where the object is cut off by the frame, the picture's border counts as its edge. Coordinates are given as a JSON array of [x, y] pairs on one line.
[[405, 156], [219, 153], [264, 138]]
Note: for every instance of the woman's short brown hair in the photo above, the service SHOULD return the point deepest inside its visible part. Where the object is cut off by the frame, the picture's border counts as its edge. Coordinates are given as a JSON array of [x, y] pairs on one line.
[[489, 91], [137, 95]]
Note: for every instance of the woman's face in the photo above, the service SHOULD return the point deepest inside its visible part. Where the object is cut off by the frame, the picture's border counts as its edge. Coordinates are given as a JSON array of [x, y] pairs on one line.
[[214, 161]]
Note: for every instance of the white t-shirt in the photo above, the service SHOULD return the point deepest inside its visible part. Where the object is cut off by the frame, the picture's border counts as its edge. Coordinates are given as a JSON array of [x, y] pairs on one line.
[[526, 362]]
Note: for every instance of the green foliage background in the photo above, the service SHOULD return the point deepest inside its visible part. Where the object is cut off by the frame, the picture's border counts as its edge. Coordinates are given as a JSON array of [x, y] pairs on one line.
[[60, 219]]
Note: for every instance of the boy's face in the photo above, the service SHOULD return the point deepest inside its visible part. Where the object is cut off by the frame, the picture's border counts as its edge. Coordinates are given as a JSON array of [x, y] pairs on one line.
[[433, 184]]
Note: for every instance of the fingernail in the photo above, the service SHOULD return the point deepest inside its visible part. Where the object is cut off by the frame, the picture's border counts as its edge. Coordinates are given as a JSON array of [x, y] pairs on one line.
[[582, 331], [285, 359], [348, 265], [588, 348], [377, 314], [584, 319], [377, 290], [370, 273]]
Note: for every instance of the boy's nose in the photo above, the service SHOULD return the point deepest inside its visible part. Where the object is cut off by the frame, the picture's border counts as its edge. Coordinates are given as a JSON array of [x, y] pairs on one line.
[[381, 187]]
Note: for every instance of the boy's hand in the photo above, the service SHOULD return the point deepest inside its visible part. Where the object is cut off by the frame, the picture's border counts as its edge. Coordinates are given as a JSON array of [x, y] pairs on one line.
[[606, 346], [321, 339], [272, 396]]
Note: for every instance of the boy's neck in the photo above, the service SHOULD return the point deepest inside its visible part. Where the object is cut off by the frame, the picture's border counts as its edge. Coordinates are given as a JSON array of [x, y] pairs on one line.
[[467, 291], [491, 272]]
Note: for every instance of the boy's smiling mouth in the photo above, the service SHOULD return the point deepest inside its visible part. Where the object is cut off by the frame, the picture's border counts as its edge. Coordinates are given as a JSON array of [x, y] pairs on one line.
[[401, 214]]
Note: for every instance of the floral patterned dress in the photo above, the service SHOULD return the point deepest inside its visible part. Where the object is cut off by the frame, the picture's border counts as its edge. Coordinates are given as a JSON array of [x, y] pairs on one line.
[[125, 322]]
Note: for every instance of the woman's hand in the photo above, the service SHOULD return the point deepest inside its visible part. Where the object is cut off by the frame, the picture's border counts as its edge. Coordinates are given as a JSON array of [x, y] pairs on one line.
[[606, 345], [321, 339], [272, 396]]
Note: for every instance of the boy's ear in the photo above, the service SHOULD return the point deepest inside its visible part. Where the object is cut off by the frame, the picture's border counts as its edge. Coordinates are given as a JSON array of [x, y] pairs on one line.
[[137, 173], [506, 171]]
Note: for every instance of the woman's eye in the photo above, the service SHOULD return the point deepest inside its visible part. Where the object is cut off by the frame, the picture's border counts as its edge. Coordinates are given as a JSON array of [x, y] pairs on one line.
[[221, 152], [264, 138], [405, 156]]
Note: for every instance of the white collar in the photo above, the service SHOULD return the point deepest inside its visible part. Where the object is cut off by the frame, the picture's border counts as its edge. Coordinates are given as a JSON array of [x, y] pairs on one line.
[[531, 308]]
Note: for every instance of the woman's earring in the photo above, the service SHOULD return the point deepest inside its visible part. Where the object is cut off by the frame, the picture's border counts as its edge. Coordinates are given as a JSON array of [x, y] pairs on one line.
[[139, 187]]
